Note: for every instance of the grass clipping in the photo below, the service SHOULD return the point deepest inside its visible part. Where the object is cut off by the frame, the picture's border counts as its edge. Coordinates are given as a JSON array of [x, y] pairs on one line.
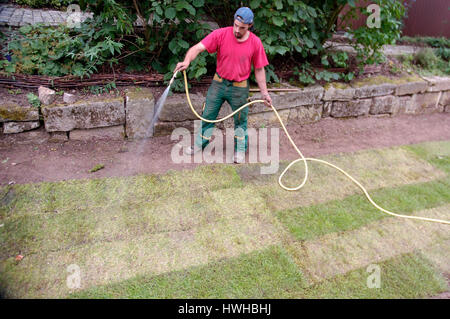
[[96, 168]]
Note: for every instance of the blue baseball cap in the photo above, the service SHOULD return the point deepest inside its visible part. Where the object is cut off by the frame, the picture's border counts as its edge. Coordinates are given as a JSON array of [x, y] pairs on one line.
[[244, 15]]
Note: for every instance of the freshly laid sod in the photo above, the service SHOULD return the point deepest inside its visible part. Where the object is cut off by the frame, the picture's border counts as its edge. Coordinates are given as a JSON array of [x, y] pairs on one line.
[[355, 211], [264, 274], [271, 274], [385, 168], [437, 153], [406, 276], [227, 231], [338, 253]]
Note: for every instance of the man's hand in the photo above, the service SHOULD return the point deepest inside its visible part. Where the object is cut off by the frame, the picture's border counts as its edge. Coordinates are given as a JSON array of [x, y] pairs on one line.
[[181, 66], [267, 99], [260, 76]]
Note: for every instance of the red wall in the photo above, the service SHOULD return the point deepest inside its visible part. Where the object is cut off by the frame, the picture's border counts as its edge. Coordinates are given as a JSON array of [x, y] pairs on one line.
[[425, 18], [428, 18]]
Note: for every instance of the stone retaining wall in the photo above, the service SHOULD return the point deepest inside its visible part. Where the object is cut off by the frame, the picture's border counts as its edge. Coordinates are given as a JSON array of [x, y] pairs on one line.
[[120, 118]]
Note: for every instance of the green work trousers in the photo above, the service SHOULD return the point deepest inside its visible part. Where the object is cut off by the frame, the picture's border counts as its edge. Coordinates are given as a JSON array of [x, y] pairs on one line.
[[236, 94]]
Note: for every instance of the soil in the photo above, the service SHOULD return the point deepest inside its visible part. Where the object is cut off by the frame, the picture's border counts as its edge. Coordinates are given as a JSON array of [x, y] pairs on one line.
[[29, 157]]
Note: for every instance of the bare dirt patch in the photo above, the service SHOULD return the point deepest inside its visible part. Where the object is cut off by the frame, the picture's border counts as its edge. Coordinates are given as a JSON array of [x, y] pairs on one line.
[[37, 160]]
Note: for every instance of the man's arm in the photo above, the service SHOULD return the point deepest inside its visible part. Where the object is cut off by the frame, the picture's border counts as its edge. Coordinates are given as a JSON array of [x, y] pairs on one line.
[[260, 75], [190, 56]]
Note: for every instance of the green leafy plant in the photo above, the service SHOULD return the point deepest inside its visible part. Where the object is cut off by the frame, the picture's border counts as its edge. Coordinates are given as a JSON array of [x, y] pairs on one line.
[[425, 62], [15, 92], [426, 58], [368, 42], [348, 76], [107, 88], [291, 30], [305, 74], [33, 100], [407, 62], [441, 45], [340, 59], [7, 67], [170, 28], [327, 75], [58, 51], [271, 76]]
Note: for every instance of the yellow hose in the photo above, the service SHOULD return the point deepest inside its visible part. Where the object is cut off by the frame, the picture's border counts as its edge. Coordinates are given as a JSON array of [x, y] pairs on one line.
[[302, 158]]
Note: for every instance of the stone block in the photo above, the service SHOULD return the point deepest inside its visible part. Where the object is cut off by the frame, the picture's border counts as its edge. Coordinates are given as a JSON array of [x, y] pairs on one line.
[[16, 113], [327, 106], [333, 93], [305, 114], [375, 90], [46, 96], [166, 128], [19, 127], [140, 106], [445, 99], [36, 136], [437, 83], [177, 108], [84, 114], [411, 88], [351, 108], [69, 98], [111, 133], [383, 105], [403, 105], [425, 103], [267, 119], [284, 100]]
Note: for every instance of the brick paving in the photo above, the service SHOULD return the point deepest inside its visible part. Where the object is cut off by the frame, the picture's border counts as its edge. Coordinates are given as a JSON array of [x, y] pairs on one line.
[[15, 16]]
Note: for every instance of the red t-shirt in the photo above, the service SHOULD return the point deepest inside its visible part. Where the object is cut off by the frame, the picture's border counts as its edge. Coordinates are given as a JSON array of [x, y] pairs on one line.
[[234, 58]]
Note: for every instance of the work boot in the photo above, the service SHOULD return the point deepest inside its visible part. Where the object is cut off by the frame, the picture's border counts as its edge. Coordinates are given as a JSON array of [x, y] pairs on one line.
[[192, 150], [239, 157]]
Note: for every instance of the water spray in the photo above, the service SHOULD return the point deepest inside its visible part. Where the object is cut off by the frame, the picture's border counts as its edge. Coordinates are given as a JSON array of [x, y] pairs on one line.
[[159, 104]]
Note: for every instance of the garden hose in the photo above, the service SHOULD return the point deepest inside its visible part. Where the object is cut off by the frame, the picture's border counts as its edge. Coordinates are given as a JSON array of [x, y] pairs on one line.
[[302, 158]]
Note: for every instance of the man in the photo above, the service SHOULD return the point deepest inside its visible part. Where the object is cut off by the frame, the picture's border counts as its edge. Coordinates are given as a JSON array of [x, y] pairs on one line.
[[237, 49]]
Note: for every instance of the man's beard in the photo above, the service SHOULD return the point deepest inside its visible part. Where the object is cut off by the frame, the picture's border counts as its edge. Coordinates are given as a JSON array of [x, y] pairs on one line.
[[238, 35]]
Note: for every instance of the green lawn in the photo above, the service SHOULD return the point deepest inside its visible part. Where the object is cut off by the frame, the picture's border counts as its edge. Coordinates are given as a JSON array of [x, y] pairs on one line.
[[226, 231]]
